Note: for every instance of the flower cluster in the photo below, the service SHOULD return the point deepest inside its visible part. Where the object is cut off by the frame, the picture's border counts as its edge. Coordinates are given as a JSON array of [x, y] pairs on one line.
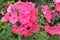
[[50, 15], [25, 13]]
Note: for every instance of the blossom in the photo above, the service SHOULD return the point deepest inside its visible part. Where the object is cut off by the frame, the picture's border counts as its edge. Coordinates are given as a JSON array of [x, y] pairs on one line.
[[47, 13], [34, 15], [54, 14], [11, 15], [36, 28], [13, 18], [58, 29], [5, 18], [29, 28], [57, 6], [56, 1], [49, 29], [53, 30], [15, 29], [27, 11], [9, 8], [25, 30], [24, 19]]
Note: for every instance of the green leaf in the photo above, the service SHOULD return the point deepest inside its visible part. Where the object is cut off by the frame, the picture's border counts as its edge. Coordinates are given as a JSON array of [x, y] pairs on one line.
[[53, 38], [42, 36], [12, 1], [19, 37]]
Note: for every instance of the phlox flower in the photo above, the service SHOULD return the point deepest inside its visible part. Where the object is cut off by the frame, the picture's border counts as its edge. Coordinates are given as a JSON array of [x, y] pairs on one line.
[[56, 1], [24, 19], [57, 4], [15, 29], [36, 28], [47, 13], [25, 30], [5, 18], [13, 18], [53, 30]]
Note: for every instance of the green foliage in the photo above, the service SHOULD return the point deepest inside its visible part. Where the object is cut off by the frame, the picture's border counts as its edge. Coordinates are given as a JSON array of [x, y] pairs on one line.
[[12, 1], [53, 38], [42, 36]]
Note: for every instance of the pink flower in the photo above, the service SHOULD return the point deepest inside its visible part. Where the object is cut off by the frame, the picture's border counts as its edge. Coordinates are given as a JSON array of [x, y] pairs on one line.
[[56, 1], [28, 29], [9, 8], [24, 19], [34, 15], [26, 33], [15, 29], [54, 14], [58, 6], [5, 18], [12, 14], [36, 28], [13, 18], [53, 30], [47, 13], [25, 13], [25, 30], [58, 30], [49, 29]]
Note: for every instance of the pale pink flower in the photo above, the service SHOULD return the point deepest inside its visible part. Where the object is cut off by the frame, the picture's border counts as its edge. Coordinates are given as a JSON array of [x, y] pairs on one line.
[[9, 8], [13, 18], [5, 18], [56, 1]]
